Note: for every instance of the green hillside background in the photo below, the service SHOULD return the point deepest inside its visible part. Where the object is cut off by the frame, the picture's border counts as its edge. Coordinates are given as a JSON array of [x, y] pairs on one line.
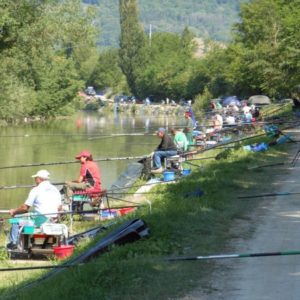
[[206, 18]]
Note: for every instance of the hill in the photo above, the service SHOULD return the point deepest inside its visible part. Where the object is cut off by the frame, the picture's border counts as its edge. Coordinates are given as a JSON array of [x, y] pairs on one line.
[[206, 18]]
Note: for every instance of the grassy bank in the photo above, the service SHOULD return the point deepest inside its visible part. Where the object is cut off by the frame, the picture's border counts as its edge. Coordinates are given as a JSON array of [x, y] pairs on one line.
[[180, 224]]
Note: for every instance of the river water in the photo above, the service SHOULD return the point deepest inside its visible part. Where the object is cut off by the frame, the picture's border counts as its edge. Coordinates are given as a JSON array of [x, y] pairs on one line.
[[62, 140]]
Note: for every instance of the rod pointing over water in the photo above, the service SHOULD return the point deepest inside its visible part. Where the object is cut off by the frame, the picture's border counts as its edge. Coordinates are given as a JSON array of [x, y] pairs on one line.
[[242, 255], [269, 195], [73, 162]]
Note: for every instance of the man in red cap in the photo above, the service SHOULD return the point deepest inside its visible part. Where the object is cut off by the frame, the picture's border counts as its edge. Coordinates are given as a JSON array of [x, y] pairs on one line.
[[89, 179]]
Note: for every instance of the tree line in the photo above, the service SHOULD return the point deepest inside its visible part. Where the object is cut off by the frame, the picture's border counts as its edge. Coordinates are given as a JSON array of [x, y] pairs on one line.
[[48, 52], [263, 57]]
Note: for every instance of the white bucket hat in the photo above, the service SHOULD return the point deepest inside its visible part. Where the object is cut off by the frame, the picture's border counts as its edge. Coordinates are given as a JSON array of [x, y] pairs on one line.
[[44, 174]]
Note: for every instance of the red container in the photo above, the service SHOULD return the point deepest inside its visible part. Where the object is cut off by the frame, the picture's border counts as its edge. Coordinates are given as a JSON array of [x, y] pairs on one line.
[[63, 251], [124, 211]]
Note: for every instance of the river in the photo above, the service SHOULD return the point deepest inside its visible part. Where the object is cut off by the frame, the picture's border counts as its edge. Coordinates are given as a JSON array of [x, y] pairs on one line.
[[60, 140]]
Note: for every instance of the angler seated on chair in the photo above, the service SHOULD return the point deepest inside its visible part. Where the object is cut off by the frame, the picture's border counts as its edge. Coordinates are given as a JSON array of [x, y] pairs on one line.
[[180, 140], [46, 201], [88, 182], [165, 149], [217, 125]]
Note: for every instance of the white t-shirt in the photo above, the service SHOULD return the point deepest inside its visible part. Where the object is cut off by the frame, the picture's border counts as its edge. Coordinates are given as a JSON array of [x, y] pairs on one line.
[[45, 198], [230, 120], [220, 119], [246, 109]]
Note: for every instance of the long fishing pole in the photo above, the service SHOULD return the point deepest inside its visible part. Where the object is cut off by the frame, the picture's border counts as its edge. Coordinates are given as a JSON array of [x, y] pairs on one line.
[[39, 267], [123, 134], [25, 186], [269, 195], [62, 183], [242, 255], [73, 162], [267, 165], [140, 185], [27, 215], [122, 200]]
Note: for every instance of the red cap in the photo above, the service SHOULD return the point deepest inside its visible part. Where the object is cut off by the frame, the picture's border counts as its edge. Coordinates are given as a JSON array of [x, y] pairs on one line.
[[84, 153]]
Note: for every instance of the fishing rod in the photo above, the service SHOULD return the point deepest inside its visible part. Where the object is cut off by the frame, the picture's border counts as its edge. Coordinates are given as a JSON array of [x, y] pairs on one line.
[[40, 267], [73, 162], [189, 163], [141, 185], [62, 183], [30, 214], [123, 200], [269, 195], [131, 193], [242, 255], [26, 186], [123, 134], [265, 166]]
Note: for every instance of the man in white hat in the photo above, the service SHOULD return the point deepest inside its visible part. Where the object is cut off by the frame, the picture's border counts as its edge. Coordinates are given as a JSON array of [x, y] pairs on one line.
[[44, 197]]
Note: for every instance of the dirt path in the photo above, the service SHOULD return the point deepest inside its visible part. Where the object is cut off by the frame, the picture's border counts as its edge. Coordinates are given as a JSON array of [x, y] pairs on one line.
[[274, 226]]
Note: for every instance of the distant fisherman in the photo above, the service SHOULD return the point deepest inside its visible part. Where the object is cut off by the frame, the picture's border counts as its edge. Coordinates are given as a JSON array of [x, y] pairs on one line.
[[189, 127], [165, 149]]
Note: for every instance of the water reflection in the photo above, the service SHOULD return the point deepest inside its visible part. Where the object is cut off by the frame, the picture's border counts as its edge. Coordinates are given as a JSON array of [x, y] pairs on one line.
[[61, 140]]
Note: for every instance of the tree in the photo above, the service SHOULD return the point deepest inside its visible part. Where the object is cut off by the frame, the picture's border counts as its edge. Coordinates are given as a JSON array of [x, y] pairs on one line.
[[39, 66], [107, 72], [269, 38], [132, 43], [169, 68]]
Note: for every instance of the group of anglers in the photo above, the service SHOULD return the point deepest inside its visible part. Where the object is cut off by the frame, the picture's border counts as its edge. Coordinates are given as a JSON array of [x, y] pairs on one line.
[[46, 199]]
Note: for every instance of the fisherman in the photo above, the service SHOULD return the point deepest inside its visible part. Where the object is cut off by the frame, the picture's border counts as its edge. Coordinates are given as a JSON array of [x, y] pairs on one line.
[[189, 127], [180, 140], [89, 179], [217, 123], [165, 149], [46, 200]]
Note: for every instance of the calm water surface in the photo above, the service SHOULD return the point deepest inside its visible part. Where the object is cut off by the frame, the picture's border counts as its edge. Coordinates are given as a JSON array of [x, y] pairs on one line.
[[61, 140]]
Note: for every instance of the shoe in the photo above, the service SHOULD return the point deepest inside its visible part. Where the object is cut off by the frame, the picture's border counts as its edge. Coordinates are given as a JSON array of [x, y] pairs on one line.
[[11, 246], [157, 171]]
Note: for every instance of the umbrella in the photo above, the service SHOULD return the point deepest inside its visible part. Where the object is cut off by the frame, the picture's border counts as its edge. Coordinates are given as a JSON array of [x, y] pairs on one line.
[[231, 100], [259, 100]]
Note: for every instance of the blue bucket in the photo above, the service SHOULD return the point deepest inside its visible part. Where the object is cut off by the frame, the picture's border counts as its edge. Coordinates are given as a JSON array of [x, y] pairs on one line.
[[186, 172], [169, 176]]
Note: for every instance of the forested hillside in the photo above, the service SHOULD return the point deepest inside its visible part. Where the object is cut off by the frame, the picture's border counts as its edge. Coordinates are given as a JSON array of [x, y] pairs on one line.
[[205, 18]]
